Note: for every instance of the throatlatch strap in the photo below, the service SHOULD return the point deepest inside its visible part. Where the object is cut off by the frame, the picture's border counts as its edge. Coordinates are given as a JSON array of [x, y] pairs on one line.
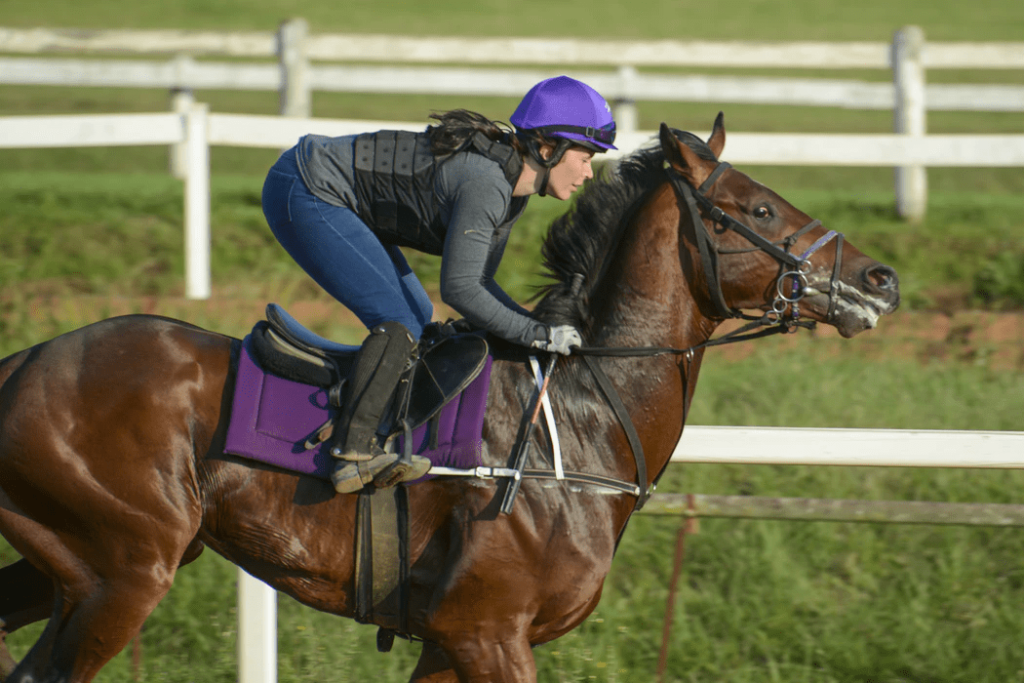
[[708, 258]]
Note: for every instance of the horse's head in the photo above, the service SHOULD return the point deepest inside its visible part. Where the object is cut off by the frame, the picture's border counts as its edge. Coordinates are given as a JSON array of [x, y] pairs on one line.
[[758, 251]]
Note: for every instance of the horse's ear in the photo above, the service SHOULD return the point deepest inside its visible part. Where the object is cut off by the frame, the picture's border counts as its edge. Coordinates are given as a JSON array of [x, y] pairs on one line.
[[717, 140], [680, 156]]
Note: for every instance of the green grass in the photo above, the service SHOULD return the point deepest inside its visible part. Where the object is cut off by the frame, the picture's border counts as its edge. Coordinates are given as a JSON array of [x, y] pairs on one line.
[[759, 601], [818, 20]]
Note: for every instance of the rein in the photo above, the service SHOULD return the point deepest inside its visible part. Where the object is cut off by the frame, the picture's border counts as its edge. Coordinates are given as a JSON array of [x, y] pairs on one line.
[[744, 333]]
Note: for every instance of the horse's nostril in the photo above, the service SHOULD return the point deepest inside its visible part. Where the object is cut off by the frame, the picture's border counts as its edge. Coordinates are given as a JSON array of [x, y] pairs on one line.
[[882, 277]]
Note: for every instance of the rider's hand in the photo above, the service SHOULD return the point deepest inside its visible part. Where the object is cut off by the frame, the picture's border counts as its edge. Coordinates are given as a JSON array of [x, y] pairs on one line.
[[561, 339]]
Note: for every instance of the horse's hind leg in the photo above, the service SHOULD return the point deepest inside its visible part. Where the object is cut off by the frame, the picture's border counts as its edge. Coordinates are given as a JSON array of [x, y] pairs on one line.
[[98, 607], [110, 561], [26, 596], [99, 488], [83, 637], [106, 576], [77, 645]]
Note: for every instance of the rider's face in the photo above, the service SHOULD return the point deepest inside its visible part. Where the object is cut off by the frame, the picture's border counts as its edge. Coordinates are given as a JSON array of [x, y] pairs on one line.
[[569, 173]]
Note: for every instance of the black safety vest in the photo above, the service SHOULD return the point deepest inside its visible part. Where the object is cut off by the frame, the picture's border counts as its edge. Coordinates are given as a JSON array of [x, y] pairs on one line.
[[394, 184]]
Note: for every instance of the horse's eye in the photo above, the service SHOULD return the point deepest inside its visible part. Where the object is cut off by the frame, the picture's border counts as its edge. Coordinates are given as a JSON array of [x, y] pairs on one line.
[[762, 212]]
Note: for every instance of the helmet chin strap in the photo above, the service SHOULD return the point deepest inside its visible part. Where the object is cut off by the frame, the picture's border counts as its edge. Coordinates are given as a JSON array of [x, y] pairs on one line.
[[544, 182], [557, 153]]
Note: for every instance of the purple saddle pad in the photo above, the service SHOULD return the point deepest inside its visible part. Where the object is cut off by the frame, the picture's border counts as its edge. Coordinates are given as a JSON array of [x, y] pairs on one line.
[[272, 417]]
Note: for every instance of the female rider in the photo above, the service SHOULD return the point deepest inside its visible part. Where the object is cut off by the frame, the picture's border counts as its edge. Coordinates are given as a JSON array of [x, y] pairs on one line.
[[342, 207]]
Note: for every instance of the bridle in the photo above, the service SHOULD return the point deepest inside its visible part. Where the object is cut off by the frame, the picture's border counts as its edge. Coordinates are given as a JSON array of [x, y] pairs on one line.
[[792, 267], [774, 321], [799, 266]]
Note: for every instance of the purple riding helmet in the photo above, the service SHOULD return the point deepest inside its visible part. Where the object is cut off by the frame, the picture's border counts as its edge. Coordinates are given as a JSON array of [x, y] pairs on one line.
[[567, 109]]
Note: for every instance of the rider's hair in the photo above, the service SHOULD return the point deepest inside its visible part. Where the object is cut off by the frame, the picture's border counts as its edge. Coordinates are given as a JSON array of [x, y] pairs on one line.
[[457, 126]]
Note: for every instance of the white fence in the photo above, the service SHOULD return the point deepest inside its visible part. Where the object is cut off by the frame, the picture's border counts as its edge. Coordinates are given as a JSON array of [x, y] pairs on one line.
[[297, 74], [300, 71], [196, 129], [257, 643]]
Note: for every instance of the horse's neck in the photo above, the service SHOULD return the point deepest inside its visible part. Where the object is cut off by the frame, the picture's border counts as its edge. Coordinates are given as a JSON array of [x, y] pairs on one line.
[[648, 295], [648, 301]]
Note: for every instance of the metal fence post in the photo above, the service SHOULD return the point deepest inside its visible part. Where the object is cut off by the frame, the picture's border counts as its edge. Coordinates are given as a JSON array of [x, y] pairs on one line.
[[197, 203], [296, 99], [909, 118]]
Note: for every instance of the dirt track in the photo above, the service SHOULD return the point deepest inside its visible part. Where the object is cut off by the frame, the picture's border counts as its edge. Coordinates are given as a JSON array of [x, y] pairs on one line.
[[997, 339]]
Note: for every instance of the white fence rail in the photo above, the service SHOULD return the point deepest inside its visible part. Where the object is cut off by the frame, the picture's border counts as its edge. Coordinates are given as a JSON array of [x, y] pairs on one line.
[[512, 50], [853, 447], [194, 131], [296, 76], [624, 85], [749, 445]]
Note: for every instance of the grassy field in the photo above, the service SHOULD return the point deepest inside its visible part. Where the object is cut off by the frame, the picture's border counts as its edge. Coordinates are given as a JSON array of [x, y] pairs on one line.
[[818, 20], [759, 601], [88, 233]]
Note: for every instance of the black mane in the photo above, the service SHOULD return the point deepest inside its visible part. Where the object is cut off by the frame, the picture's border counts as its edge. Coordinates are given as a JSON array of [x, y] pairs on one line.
[[583, 239]]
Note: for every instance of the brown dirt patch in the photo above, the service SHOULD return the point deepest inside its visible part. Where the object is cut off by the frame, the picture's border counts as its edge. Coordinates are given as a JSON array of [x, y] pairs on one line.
[[995, 338]]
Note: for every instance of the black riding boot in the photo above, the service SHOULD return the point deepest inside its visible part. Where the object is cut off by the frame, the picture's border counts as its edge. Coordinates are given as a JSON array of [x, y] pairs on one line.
[[371, 384]]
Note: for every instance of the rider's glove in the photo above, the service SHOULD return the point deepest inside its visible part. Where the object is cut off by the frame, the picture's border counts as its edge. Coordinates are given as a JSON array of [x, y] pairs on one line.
[[560, 339]]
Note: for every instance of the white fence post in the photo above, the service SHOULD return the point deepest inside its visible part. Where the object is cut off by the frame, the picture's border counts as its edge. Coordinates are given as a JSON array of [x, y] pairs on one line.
[[197, 203], [182, 99], [296, 99], [909, 118], [257, 630], [625, 107]]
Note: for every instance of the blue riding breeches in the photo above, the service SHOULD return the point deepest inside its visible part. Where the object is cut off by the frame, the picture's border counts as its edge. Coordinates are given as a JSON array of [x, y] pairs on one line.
[[341, 253]]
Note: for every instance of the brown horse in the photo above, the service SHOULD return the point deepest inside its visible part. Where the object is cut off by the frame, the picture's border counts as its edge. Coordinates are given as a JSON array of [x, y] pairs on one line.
[[112, 471]]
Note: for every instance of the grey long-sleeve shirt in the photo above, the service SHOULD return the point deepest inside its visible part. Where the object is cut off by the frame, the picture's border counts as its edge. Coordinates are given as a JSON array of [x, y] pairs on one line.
[[473, 200]]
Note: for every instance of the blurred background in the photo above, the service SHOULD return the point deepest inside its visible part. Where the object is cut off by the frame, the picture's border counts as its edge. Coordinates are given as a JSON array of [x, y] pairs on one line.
[[90, 232]]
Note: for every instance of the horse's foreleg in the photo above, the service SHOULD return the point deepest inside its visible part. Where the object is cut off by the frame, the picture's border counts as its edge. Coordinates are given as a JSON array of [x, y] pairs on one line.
[[26, 596], [433, 666], [478, 660]]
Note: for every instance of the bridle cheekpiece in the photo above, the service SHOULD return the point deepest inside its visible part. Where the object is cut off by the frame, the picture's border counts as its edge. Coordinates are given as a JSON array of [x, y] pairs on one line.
[[798, 266]]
